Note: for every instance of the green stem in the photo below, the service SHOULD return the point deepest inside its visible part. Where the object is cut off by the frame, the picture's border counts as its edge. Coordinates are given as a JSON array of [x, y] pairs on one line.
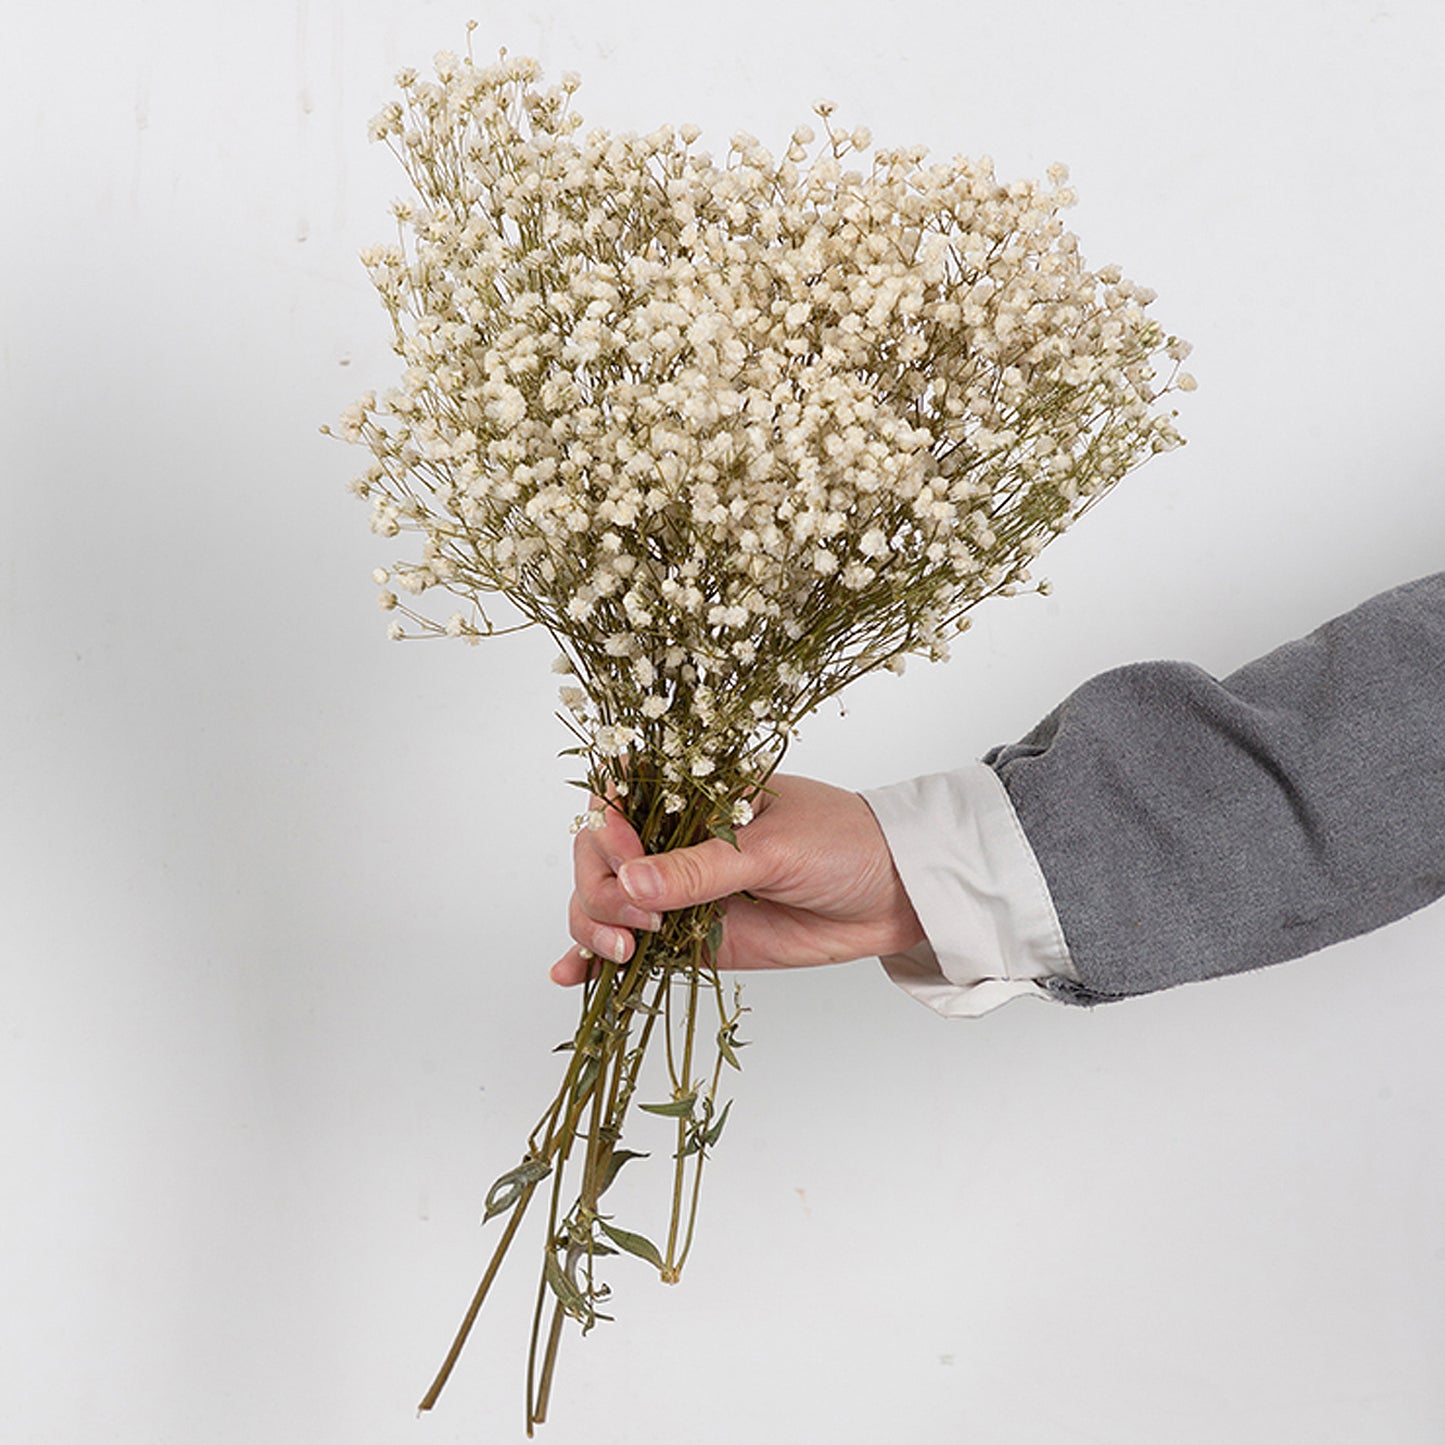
[[673, 1266], [518, 1210], [717, 1069], [537, 1408]]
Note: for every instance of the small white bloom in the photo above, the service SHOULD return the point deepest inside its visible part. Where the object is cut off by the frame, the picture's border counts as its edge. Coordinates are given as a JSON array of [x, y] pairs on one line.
[[613, 740], [648, 414]]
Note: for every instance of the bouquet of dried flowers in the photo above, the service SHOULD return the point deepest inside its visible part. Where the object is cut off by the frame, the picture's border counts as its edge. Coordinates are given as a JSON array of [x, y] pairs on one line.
[[733, 433]]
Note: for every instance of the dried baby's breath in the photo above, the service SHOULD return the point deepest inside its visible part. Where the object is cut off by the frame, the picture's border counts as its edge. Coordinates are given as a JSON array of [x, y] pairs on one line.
[[734, 432]]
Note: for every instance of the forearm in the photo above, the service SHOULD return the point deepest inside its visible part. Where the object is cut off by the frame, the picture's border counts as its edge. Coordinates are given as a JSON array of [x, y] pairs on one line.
[[1189, 827]]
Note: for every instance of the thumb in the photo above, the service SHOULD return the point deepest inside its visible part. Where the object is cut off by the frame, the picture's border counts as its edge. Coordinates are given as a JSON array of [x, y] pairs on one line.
[[684, 876]]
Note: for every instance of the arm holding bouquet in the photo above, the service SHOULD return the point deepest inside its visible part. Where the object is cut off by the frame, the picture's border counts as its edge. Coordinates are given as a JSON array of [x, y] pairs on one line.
[[1158, 827], [733, 430]]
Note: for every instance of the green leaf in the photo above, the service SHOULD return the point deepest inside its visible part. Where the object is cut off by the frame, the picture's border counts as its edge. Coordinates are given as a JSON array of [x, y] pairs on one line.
[[586, 1076], [678, 1109], [510, 1188], [711, 1136], [727, 1045], [726, 833], [618, 1158], [714, 937], [637, 1244]]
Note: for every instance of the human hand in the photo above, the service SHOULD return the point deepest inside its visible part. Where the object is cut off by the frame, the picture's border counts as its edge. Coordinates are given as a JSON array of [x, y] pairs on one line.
[[822, 883]]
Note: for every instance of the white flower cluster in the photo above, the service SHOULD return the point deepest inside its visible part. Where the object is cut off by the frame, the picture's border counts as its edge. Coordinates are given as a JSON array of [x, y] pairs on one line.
[[734, 432]]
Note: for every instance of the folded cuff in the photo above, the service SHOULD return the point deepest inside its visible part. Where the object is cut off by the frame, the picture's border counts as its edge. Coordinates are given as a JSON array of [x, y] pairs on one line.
[[991, 930]]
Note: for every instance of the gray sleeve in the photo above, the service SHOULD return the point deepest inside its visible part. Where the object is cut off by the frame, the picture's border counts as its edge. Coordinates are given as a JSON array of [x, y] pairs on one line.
[[1189, 827]]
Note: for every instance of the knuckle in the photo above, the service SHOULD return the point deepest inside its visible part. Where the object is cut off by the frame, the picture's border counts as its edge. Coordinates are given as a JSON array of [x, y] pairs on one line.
[[688, 878]]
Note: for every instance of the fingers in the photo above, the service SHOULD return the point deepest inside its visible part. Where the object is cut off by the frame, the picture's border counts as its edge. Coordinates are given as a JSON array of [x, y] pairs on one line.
[[574, 967], [600, 914], [597, 855], [685, 876], [596, 936], [619, 889]]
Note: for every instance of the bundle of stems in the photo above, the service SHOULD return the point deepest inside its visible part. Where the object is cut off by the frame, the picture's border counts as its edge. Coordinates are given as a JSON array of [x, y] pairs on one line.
[[576, 1148]]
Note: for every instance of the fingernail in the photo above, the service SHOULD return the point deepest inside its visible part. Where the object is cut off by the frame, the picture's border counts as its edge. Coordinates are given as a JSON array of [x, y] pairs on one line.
[[640, 881], [611, 944]]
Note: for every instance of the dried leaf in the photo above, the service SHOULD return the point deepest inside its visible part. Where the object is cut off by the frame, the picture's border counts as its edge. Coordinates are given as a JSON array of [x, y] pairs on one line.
[[586, 1077], [571, 1298], [711, 1136], [678, 1109], [637, 1244], [507, 1190], [727, 1046], [614, 1166]]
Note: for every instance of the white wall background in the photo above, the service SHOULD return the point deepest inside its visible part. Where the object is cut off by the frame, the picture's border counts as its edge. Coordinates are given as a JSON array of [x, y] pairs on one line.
[[277, 897]]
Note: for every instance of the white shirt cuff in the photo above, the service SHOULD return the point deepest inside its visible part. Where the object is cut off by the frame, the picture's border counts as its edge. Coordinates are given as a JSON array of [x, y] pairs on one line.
[[991, 930]]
